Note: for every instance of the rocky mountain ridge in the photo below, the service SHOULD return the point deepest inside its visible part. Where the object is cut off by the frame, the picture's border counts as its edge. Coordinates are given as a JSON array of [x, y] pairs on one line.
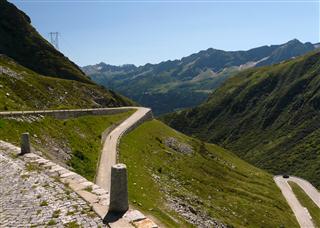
[[176, 84]]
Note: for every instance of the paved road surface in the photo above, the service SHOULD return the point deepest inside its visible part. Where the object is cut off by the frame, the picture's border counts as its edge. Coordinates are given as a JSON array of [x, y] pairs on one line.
[[311, 191], [301, 213], [109, 152]]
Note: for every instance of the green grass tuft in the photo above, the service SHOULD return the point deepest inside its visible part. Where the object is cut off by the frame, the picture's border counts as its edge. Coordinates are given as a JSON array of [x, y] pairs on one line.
[[30, 167], [56, 214], [52, 222], [44, 203], [72, 224]]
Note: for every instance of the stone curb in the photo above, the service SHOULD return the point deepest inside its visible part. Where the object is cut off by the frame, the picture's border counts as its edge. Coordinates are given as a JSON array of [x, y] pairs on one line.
[[96, 196]]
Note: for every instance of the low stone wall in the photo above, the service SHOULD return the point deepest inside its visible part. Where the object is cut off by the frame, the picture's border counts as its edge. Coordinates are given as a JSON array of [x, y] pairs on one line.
[[65, 114], [146, 117], [107, 132]]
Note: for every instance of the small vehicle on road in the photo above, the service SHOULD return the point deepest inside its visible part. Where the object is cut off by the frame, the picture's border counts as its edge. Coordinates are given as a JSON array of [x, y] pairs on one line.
[[285, 176]]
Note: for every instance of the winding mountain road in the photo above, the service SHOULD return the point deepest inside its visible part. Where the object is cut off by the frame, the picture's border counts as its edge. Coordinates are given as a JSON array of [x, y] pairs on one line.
[[108, 156], [301, 213]]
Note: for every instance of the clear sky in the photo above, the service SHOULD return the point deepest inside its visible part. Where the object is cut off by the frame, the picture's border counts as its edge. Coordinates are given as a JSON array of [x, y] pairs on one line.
[[138, 32]]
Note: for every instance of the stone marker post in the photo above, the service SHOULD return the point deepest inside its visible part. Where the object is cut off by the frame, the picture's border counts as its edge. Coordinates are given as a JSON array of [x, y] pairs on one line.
[[25, 143], [119, 189]]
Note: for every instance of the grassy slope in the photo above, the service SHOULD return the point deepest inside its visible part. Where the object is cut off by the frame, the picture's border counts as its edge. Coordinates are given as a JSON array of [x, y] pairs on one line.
[[80, 136], [21, 89], [268, 116], [211, 180], [304, 199]]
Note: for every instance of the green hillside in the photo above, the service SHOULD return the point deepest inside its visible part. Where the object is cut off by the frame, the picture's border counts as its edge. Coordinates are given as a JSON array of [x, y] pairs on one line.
[[269, 116], [20, 41], [183, 181], [75, 142], [172, 85], [23, 89]]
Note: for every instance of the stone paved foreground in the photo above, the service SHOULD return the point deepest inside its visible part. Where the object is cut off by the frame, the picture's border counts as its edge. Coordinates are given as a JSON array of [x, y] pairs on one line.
[[37, 192], [29, 197]]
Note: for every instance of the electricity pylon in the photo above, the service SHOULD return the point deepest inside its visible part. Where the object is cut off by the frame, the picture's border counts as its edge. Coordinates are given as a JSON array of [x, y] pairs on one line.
[[54, 38]]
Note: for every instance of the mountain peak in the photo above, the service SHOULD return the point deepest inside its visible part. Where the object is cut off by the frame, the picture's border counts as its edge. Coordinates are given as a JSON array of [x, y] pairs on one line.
[[102, 64], [294, 41]]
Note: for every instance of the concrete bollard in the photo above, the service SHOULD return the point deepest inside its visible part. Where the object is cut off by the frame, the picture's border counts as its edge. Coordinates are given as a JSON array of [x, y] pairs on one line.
[[119, 189], [25, 144]]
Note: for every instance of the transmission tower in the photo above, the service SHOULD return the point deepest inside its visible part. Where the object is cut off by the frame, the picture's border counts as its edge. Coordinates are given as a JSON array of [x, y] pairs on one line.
[[54, 38]]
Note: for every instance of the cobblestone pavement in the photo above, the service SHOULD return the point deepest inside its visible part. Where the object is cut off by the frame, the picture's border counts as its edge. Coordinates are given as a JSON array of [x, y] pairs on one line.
[[37, 192], [30, 197]]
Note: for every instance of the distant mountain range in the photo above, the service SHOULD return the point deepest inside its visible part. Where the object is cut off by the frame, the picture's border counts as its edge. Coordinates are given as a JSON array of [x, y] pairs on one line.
[[173, 85], [269, 116]]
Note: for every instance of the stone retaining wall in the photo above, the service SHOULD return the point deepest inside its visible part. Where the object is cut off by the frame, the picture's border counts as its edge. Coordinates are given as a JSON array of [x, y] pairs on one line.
[[71, 113]]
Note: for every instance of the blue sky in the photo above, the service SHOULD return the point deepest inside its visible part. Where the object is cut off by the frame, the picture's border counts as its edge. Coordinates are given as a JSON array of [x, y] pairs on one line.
[[140, 32]]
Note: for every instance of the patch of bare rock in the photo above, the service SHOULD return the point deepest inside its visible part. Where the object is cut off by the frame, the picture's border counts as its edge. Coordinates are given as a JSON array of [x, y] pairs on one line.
[[174, 144]]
